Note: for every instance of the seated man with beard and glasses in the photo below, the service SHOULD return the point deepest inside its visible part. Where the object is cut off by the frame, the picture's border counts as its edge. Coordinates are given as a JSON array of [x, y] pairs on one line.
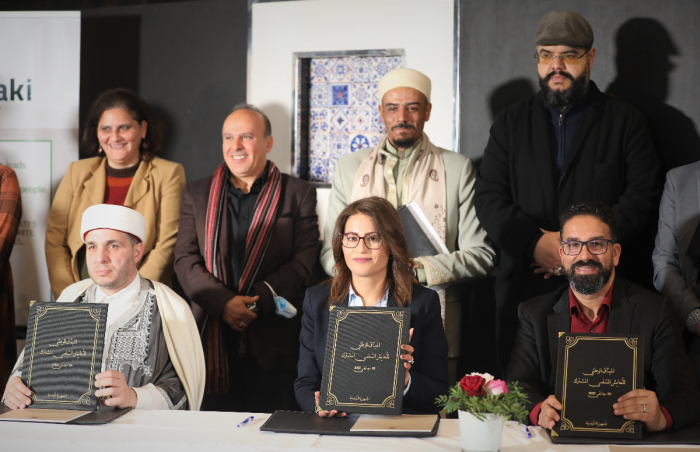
[[597, 301], [568, 143]]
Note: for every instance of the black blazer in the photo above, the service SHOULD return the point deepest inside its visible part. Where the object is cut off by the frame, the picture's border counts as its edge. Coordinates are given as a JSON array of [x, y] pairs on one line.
[[287, 266], [633, 310], [428, 374]]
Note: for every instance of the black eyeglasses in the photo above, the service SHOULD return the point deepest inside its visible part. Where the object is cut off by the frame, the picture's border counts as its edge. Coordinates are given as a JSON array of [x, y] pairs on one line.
[[597, 246], [372, 241], [567, 58]]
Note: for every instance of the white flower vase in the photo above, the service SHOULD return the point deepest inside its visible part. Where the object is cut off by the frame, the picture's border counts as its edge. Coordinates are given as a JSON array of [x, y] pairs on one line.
[[480, 436]]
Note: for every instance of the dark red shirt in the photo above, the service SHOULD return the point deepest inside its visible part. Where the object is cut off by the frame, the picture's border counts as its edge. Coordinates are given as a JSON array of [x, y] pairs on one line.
[[582, 324]]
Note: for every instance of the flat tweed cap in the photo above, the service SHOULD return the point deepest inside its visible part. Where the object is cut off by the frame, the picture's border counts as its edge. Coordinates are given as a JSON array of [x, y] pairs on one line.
[[117, 218], [565, 28], [404, 77]]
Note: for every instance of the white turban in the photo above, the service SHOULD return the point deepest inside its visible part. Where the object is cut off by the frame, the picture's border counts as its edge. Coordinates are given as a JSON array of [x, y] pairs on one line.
[[400, 78], [110, 216]]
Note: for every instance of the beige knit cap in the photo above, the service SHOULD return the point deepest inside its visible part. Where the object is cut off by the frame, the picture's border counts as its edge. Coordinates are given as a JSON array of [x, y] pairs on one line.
[[404, 77]]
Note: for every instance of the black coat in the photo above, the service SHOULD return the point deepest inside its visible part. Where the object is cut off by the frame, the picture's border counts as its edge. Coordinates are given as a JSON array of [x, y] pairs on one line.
[[633, 310], [428, 374], [611, 160]]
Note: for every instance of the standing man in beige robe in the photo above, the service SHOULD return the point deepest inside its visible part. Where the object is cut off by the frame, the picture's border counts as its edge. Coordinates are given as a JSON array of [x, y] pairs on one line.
[[405, 167]]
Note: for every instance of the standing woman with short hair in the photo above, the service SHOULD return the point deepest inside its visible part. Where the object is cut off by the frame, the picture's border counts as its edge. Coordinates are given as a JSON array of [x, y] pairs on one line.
[[125, 137], [373, 267]]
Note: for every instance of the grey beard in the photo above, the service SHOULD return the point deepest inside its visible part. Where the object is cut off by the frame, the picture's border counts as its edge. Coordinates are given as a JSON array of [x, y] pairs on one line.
[[567, 97], [588, 284]]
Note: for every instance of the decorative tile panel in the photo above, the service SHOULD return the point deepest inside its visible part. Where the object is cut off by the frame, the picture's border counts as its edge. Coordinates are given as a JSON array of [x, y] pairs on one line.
[[343, 117]]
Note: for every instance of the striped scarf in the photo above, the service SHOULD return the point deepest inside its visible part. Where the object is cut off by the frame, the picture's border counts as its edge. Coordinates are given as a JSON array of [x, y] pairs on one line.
[[256, 244]]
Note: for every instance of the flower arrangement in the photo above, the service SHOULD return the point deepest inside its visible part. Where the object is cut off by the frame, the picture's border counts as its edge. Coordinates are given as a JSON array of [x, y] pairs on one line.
[[481, 393]]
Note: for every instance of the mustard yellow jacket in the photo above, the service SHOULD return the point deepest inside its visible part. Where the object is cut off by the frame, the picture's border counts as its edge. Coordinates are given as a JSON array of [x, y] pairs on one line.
[[154, 192]]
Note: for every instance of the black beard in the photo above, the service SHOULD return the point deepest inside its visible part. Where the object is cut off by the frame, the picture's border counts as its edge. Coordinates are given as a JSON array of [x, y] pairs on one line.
[[588, 284], [404, 143], [564, 98]]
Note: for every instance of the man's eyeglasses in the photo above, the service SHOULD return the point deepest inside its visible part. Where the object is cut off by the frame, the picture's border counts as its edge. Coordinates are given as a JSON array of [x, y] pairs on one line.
[[567, 58], [372, 241], [597, 246]]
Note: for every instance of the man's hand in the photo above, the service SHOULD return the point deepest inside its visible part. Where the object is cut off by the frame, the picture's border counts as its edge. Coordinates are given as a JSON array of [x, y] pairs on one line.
[[115, 387], [17, 394], [641, 405], [325, 413], [237, 314], [548, 412], [547, 253]]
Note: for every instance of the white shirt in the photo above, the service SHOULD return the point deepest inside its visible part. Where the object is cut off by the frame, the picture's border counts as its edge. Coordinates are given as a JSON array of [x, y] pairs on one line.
[[120, 303], [355, 300]]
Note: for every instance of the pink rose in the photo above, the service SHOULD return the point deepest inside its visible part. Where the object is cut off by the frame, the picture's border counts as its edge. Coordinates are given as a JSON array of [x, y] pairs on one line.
[[496, 387]]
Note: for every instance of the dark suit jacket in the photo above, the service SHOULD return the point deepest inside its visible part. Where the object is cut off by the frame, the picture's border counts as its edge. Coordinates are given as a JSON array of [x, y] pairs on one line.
[[291, 254], [611, 160], [428, 374], [633, 310]]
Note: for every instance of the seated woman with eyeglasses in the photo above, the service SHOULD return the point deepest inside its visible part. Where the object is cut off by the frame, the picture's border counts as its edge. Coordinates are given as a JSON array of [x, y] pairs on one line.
[[373, 267]]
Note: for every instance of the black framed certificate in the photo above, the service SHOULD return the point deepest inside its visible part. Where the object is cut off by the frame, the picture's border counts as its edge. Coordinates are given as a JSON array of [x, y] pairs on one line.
[[63, 354], [594, 371], [363, 372]]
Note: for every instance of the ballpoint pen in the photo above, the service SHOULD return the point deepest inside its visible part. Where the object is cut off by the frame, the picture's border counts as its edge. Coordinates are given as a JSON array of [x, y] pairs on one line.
[[527, 432], [245, 421]]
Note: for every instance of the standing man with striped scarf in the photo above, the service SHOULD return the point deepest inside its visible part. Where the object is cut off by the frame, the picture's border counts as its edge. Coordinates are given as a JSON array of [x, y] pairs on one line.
[[247, 243]]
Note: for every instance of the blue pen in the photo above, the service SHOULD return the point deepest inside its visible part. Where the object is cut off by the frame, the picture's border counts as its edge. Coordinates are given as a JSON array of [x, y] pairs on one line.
[[527, 432], [245, 422]]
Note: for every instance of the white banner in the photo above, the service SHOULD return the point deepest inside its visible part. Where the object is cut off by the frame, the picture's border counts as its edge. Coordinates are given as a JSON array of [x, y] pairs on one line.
[[39, 101]]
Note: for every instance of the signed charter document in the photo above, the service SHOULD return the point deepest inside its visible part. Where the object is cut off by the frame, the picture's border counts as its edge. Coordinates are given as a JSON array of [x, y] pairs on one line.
[[594, 370], [63, 354], [362, 371]]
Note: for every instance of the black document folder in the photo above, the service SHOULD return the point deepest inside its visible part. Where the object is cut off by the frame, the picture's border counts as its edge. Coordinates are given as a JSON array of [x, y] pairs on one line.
[[688, 435], [362, 371], [594, 370], [312, 423], [63, 354], [419, 243], [102, 415]]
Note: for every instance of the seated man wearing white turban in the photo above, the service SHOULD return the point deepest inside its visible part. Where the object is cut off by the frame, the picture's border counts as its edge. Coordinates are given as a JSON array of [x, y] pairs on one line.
[[405, 167], [153, 356]]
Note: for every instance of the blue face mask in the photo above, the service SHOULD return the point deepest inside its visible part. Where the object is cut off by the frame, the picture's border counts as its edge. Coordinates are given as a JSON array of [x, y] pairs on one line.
[[282, 306]]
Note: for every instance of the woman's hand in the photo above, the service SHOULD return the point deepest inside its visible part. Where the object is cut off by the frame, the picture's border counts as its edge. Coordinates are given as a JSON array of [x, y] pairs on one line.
[[408, 357], [325, 413]]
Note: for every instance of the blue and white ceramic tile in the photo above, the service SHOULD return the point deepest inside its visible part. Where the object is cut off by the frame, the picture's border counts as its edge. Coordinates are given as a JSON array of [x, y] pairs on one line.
[[320, 96], [318, 120], [359, 142], [340, 94], [361, 95], [340, 145], [320, 70], [361, 69], [360, 120], [339, 70], [318, 169], [318, 146], [340, 120], [377, 123], [344, 117]]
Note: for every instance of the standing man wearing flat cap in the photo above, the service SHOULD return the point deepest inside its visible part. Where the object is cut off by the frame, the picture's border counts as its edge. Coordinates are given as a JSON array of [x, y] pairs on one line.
[[405, 167], [568, 143], [245, 250], [153, 356]]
